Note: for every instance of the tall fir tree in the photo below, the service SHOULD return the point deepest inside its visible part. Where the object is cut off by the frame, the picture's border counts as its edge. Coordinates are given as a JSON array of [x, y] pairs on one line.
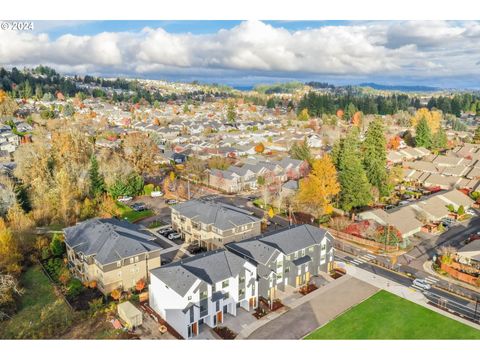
[[423, 136], [476, 136], [375, 156], [355, 188], [97, 183], [439, 139]]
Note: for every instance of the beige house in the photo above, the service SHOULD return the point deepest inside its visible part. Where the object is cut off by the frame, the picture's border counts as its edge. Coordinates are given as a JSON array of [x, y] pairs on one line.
[[114, 253], [213, 225]]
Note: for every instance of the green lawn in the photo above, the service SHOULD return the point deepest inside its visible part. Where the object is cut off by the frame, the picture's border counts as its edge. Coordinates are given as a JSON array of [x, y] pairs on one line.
[[131, 215], [387, 316], [38, 306]]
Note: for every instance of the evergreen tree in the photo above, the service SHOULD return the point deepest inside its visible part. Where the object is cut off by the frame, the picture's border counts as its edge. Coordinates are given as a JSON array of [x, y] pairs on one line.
[[375, 156], [423, 135], [271, 103], [301, 151], [355, 188], [97, 183], [476, 136], [439, 139]]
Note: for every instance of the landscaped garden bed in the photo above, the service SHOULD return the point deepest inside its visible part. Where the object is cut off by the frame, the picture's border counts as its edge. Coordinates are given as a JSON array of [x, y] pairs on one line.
[[225, 333], [264, 309], [304, 290]]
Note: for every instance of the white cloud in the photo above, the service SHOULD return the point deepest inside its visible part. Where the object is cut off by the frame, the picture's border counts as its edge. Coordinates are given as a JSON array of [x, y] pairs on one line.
[[373, 48]]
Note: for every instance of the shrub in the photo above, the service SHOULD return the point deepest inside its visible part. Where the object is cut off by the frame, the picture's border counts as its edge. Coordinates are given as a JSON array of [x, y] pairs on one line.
[[147, 189], [461, 210], [57, 246], [74, 288]]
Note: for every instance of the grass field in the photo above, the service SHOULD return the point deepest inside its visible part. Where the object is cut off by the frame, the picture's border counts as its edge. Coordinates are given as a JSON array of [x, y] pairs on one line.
[[37, 306], [131, 215], [386, 316]]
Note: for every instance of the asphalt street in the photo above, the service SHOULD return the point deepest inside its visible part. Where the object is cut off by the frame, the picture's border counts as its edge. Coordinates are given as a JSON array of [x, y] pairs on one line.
[[437, 297]]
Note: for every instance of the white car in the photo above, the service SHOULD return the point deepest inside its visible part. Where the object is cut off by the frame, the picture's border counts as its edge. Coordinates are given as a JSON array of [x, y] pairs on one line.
[[174, 236], [422, 284], [470, 212], [156, 194], [125, 199]]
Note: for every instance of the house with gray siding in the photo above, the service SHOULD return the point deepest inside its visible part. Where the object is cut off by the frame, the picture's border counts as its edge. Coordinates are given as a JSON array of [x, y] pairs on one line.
[[288, 258]]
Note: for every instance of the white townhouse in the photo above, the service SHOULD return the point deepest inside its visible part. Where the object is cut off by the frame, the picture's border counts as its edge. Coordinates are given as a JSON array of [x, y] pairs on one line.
[[201, 291]]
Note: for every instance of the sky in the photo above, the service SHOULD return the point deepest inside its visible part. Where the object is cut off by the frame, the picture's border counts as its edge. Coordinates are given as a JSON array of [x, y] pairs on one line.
[[242, 53]]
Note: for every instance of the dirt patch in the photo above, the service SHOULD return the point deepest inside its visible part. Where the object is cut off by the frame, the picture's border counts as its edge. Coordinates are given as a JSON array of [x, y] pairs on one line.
[[95, 328]]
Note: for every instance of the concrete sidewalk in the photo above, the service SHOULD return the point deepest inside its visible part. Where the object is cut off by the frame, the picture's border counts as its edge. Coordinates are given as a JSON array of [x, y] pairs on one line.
[[402, 291], [311, 311]]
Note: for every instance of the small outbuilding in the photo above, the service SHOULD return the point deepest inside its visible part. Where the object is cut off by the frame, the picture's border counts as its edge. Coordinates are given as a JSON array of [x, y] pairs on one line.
[[129, 314]]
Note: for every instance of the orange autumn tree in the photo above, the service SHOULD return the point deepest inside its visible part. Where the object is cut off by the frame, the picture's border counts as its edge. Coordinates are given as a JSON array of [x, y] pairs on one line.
[[140, 285], [394, 143], [317, 190], [260, 148], [357, 118], [116, 294]]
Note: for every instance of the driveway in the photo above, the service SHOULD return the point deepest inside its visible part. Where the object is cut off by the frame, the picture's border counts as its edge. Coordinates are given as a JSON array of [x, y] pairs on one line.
[[324, 305]]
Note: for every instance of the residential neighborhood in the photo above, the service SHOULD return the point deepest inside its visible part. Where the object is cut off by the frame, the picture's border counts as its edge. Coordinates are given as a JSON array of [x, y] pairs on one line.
[[137, 202]]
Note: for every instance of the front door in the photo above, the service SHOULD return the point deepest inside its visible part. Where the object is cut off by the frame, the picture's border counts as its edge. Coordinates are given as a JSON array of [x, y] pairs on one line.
[[307, 277], [220, 317], [195, 329], [253, 303]]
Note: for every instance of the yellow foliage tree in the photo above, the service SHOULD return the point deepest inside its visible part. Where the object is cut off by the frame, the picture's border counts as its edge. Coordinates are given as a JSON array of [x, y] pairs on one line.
[[433, 118], [319, 187], [303, 115], [10, 255]]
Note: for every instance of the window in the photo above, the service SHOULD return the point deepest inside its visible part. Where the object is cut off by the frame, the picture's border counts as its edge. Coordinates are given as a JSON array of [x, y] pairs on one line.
[[224, 284], [203, 295], [324, 246], [226, 296], [131, 260], [189, 298], [241, 293], [253, 288], [287, 269], [136, 258], [242, 279], [303, 252], [119, 263]]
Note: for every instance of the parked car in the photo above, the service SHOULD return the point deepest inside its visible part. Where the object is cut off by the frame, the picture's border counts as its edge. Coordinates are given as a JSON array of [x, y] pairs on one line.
[[388, 207], [139, 207], [404, 202], [156, 194], [172, 202], [124, 199], [195, 249], [174, 236], [422, 284], [165, 231]]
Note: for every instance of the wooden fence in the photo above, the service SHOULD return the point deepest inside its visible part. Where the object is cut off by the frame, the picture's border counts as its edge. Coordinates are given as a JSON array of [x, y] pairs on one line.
[[342, 236]]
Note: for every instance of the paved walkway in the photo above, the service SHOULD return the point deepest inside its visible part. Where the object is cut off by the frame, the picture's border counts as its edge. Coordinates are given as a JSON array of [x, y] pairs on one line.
[[402, 291], [311, 311]]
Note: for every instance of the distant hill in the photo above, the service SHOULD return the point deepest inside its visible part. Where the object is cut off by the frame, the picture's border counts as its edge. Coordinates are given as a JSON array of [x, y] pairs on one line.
[[399, 87]]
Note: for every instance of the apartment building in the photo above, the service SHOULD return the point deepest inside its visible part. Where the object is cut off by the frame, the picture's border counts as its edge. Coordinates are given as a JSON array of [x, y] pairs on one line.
[[212, 225], [114, 253], [289, 257], [202, 290]]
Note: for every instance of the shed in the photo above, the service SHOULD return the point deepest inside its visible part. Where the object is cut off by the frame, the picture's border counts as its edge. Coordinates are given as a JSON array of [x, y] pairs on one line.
[[129, 314]]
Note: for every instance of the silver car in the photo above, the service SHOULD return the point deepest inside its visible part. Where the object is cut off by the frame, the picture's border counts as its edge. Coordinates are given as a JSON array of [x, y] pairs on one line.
[[422, 284]]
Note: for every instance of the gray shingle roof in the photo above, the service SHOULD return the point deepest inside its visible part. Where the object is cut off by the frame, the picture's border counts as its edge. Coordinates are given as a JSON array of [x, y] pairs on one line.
[[109, 240], [211, 267], [286, 241], [221, 216]]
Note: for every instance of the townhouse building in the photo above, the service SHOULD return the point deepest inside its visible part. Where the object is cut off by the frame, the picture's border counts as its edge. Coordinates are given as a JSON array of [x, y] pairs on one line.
[[288, 258], [212, 225], [114, 253], [203, 290]]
